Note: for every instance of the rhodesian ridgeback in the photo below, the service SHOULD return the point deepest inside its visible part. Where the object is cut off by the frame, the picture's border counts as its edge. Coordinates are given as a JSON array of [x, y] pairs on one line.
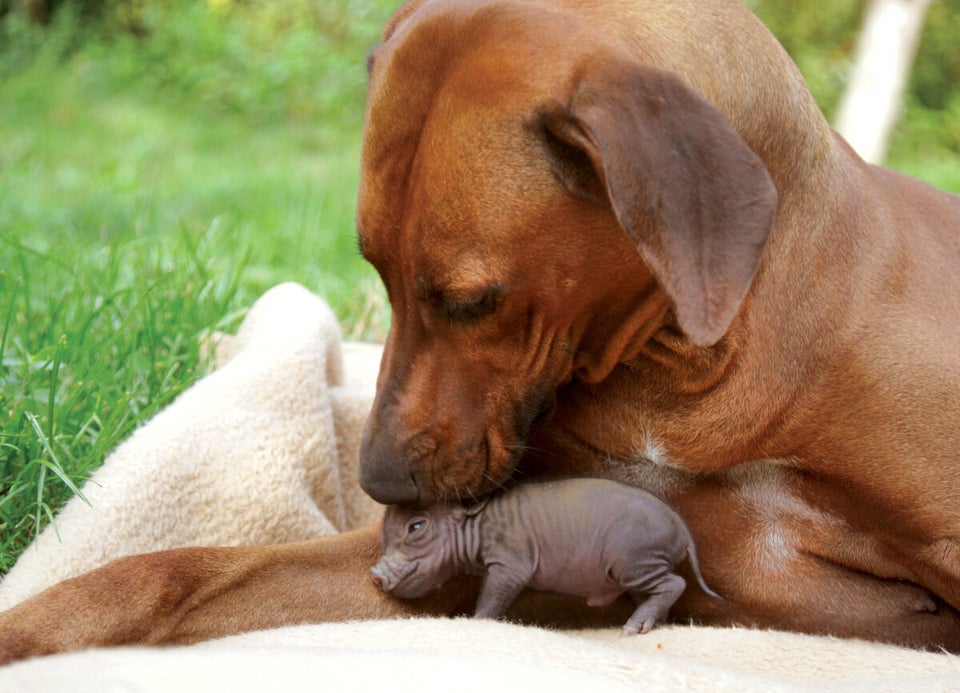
[[620, 240]]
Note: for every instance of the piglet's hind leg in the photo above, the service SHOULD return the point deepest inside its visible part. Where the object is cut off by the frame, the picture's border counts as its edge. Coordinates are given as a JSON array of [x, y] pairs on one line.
[[654, 603]]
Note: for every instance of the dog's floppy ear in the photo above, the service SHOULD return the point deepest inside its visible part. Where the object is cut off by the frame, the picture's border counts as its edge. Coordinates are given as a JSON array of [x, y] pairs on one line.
[[696, 200]]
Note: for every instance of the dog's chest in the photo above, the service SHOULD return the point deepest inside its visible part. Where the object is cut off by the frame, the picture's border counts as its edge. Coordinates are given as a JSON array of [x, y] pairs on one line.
[[757, 506], [774, 522], [631, 420]]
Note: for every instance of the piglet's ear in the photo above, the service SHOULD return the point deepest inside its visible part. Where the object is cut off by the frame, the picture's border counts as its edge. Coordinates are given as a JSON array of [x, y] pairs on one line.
[[695, 199], [462, 512], [476, 508]]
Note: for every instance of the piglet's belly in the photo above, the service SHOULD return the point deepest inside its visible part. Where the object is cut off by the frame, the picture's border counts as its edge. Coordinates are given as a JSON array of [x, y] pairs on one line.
[[597, 592], [603, 598]]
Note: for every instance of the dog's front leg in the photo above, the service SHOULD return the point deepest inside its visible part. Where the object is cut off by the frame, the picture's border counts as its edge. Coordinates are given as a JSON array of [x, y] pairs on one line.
[[193, 594]]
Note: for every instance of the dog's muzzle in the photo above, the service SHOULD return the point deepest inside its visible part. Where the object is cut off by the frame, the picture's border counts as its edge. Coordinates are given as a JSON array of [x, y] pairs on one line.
[[385, 475]]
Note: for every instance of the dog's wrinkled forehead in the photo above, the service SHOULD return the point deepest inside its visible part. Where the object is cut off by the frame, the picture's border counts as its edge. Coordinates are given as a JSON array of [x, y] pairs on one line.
[[451, 17], [431, 132], [460, 196]]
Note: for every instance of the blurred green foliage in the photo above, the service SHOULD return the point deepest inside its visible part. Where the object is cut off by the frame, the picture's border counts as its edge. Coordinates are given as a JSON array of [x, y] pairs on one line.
[[301, 60], [161, 165], [821, 36]]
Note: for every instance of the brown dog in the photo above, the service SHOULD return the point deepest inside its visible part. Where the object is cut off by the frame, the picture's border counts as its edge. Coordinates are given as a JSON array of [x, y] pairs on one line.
[[620, 240]]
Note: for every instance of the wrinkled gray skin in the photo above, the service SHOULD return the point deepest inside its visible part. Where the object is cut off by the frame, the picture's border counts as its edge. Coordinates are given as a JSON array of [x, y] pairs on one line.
[[583, 537]]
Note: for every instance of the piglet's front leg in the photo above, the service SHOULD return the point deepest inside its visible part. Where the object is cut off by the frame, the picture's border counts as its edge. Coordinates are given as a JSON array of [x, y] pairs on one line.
[[500, 588]]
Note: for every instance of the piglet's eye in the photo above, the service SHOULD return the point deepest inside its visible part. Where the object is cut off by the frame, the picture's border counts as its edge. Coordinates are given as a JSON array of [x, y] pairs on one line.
[[415, 527]]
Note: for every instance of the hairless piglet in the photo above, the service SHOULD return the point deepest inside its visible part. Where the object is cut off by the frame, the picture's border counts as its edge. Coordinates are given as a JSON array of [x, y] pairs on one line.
[[583, 537]]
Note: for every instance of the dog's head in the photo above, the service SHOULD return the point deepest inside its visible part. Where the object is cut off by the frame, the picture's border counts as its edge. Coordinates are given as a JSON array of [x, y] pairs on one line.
[[537, 202]]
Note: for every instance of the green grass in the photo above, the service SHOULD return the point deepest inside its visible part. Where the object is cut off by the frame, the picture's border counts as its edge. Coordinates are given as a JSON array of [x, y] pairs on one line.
[[83, 365], [150, 190], [153, 183]]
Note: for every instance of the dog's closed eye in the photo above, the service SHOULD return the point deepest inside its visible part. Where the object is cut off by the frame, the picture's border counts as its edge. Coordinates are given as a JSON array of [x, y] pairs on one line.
[[461, 305], [471, 309]]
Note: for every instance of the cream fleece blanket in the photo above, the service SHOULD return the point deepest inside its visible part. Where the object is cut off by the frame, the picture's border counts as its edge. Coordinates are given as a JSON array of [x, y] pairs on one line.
[[264, 449]]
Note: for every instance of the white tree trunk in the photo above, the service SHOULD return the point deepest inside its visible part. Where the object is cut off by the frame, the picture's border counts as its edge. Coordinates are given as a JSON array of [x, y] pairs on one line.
[[885, 51]]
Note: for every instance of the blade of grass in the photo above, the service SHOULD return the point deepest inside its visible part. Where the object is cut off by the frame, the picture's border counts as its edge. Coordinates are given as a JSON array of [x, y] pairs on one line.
[[38, 503], [8, 320], [52, 394], [12, 493], [45, 508], [53, 463]]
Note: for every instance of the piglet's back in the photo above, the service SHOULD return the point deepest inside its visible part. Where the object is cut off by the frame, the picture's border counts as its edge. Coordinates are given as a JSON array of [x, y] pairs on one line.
[[585, 502], [581, 525]]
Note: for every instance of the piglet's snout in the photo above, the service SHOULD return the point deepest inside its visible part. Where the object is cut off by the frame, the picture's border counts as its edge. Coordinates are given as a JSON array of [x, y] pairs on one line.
[[380, 577], [390, 572], [398, 576], [375, 576]]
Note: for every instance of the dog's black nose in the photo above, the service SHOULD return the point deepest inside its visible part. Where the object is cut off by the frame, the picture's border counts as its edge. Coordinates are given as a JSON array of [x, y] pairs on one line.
[[388, 482], [385, 473]]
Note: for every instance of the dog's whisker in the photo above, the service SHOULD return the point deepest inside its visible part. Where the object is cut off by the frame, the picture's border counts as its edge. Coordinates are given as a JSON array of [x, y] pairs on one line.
[[522, 474], [521, 447], [499, 485]]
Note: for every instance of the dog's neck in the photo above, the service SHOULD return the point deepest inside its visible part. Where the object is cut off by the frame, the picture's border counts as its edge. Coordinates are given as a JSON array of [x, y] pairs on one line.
[[665, 376]]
